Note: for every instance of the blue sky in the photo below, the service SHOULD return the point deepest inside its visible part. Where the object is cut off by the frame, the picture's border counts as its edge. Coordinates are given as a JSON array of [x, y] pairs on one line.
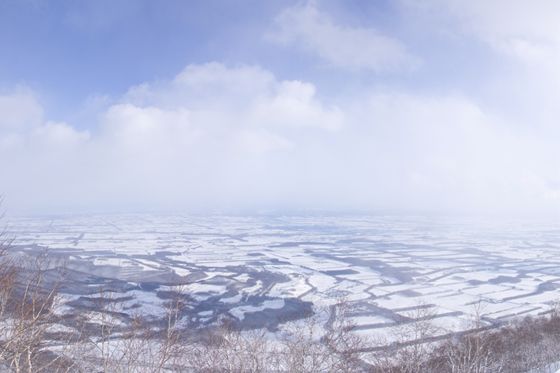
[[430, 105], [70, 50]]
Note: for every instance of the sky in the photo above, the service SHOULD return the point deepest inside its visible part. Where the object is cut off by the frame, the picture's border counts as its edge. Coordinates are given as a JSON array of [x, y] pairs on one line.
[[412, 106]]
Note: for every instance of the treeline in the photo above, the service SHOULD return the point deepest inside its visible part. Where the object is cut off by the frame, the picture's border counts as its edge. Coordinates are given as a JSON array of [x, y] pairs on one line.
[[36, 336]]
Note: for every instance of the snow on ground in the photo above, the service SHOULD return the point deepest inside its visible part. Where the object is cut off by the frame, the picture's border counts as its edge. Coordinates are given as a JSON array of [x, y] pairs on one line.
[[384, 265], [240, 312], [369, 320]]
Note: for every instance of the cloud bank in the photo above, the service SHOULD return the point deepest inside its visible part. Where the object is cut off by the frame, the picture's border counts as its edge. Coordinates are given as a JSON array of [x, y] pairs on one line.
[[218, 137]]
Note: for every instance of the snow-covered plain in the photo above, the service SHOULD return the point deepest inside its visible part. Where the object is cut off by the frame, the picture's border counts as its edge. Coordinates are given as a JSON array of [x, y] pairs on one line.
[[262, 268]]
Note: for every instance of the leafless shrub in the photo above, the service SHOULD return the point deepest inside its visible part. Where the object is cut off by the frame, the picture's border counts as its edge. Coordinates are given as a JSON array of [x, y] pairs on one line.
[[28, 301], [528, 344], [308, 348], [342, 341], [555, 310], [122, 344], [472, 353], [304, 346], [302, 350], [412, 349]]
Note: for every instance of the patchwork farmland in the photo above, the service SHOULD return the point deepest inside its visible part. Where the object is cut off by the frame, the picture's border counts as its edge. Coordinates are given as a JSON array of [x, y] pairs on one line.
[[269, 271]]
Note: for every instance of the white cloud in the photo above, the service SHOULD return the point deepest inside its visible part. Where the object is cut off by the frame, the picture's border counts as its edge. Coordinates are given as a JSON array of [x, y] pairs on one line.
[[59, 135], [509, 52], [201, 137], [353, 48], [20, 111], [147, 129], [22, 124], [262, 142], [501, 20], [248, 95], [294, 104], [447, 152], [529, 31]]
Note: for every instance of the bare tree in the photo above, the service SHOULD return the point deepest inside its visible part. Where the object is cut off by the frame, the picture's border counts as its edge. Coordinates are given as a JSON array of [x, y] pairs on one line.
[[412, 347], [302, 348], [472, 353], [342, 340], [28, 304]]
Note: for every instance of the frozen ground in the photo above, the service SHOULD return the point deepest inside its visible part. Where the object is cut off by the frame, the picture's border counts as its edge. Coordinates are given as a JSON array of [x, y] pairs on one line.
[[265, 270]]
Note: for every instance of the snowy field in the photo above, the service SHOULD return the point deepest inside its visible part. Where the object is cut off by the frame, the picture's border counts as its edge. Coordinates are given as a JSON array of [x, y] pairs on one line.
[[265, 270]]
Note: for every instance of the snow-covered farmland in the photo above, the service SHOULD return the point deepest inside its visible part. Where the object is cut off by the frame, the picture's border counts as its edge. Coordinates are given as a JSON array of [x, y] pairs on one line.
[[268, 270]]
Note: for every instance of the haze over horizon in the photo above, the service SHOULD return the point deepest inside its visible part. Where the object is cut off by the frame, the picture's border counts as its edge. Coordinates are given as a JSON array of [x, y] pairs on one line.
[[432, 105]]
